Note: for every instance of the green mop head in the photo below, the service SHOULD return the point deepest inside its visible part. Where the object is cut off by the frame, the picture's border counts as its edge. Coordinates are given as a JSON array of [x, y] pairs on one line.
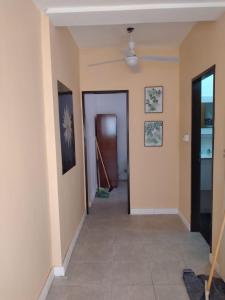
[[102, 193]]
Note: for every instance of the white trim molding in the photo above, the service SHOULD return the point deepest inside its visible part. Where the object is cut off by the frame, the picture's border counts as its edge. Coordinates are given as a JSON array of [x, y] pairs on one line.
[[185, 221], [84, 15], [47, 286], [154, 211], [61, 270], [133, 7]]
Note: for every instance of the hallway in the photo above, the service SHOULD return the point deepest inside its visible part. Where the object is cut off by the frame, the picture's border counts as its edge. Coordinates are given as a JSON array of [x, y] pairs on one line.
[[126, 257]]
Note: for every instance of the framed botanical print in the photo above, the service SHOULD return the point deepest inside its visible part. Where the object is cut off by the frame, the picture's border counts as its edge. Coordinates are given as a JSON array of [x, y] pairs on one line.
[[154, 99], [153, 133]]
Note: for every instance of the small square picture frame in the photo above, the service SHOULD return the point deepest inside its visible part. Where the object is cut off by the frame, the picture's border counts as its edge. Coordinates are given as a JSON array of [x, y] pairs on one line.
[[154, 99], [153, 133]]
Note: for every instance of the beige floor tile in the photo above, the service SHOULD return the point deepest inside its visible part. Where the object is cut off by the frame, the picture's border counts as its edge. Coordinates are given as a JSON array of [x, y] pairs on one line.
[[96, 236], [101, 251], [119, 292], [136, 236], [57, 293], [132, 292], [120, 273], [196, 258], [159, 253], [198, 267], [141, 292], [100, 224], [125, 273], [167, 222], [171, 292], [89, 292], [122, 257], [60, 281], [133, 251], [89, 273], [167, 273]]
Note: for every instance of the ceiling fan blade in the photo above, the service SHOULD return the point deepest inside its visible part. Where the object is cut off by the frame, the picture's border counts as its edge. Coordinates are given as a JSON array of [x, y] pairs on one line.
[[106, 62], [173, 59]]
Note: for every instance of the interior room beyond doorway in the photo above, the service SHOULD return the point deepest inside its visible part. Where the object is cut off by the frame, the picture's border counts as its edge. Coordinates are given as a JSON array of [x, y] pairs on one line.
[[106, 143]]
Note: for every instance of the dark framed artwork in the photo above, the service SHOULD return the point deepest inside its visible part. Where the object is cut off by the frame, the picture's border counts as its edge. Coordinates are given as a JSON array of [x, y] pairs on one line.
[[154, 99], [153, 133], [66, 123]]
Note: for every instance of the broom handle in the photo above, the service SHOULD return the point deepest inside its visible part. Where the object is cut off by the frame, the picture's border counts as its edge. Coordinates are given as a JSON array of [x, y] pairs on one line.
[[98, 177], [216, 255], [103, 165]]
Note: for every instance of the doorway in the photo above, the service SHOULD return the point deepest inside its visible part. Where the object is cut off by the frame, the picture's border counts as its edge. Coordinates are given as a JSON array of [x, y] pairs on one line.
[[112, 109], [203, 115]]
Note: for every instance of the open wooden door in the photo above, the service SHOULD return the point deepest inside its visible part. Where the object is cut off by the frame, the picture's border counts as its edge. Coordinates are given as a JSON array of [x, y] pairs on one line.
[[106, 134]]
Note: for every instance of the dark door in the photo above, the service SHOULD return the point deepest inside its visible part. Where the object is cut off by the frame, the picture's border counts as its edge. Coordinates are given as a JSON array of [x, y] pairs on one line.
[[106, 134], [203, 101]]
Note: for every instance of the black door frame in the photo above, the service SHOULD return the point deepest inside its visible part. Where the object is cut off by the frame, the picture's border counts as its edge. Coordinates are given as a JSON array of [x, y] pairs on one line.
[[85, 143], [195, 147]]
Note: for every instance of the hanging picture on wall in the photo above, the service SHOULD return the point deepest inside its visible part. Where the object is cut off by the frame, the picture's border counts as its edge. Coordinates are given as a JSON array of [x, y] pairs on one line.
[[66, 123], [153, 133], [154, 99]]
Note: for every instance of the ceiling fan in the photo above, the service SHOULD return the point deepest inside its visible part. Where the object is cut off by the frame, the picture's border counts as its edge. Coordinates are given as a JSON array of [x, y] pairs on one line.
[[132, 60]]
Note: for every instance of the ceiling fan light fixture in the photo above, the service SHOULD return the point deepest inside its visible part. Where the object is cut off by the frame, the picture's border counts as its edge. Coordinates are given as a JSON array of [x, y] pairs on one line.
[[132, 61]]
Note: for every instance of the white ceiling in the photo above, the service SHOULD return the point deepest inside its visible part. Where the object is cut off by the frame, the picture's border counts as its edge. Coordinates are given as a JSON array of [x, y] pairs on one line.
[[102, 23], [109, 12], [153, 35]]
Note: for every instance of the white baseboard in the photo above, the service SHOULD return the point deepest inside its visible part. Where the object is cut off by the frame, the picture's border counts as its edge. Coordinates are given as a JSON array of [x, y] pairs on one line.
[[61, 270], [185, 221], [154, 211], [46, 288]]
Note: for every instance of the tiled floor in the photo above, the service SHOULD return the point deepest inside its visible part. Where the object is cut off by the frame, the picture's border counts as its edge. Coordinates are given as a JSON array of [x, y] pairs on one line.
[[126, 257]]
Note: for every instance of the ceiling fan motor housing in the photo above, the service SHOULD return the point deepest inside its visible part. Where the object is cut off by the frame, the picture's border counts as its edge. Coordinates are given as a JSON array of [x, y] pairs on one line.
[[132, 61]]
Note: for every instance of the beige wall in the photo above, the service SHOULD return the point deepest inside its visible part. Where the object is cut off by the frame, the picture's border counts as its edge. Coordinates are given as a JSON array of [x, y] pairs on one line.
[[204, 47], [25, 252], [150, 168], [65, 68], [39, 209]]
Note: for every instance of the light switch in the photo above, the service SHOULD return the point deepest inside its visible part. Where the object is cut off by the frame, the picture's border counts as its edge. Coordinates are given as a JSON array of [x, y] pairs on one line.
[[186, 138]]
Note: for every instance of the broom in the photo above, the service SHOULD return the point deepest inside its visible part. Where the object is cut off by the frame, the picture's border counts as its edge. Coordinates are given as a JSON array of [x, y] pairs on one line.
[[102, 192], [208, 283], [202, 287]]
